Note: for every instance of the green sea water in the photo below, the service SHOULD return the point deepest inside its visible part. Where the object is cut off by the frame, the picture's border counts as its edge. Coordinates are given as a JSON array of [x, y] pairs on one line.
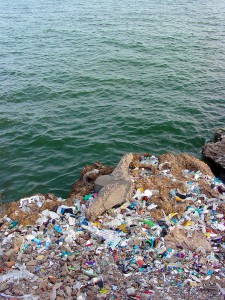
[[85, 81]]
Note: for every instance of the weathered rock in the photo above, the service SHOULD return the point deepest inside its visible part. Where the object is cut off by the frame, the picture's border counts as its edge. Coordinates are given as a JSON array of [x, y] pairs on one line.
[[17, 292], [9, 254], [68, 291], [219, 134], [76, 266], [43, 285], [31, 263], [40, 257], [191, 243], [3, 286], [102, 181], [9, 264], [4, 208], [18, 240], [52, 279], [85, 184], [114, 189], [121, 172], [214, 153], [64, 270]]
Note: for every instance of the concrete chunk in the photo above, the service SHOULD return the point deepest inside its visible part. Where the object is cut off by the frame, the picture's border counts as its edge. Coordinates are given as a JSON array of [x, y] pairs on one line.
[[102, 181], [113, 189]]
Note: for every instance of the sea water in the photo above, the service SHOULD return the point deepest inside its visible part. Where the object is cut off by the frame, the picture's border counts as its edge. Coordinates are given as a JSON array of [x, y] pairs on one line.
[[85, 81]]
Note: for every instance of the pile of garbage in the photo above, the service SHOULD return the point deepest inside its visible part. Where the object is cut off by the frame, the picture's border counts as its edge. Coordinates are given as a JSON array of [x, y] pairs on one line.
[[166, 242]]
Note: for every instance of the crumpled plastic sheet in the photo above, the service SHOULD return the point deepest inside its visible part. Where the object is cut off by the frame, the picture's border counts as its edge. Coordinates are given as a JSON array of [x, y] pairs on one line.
[[111, 238], [25, 201], [17, 274], [25, 297]]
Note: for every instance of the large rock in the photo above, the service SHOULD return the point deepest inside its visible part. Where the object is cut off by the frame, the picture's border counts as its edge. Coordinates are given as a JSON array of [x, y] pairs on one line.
[[113, 189], [214, 153], [180, 236]]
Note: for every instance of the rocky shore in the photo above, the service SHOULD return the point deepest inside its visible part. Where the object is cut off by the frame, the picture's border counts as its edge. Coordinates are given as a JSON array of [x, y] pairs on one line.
[[151, 228], [214, 153]]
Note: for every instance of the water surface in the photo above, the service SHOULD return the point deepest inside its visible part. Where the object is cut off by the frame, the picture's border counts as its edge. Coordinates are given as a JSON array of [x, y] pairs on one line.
[[85, 81]]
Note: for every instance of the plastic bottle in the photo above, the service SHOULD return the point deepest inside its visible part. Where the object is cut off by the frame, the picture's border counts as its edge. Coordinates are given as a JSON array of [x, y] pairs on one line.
[[169, 253], [37, 241], [47, 243], [58, 228]]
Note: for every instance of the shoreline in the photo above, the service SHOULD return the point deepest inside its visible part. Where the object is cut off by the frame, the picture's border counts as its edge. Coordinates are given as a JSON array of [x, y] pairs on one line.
[[152, 227]]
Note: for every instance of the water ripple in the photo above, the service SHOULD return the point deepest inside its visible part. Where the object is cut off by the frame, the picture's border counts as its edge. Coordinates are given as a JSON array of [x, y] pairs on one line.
[[89, 81]]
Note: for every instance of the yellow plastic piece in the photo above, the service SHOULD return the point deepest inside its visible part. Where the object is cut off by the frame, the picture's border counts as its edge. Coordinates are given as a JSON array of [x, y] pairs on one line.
[[187, 223], [178, 199], [172, 214], [207, 234], [123, 227], [104, 291], [97, 224]]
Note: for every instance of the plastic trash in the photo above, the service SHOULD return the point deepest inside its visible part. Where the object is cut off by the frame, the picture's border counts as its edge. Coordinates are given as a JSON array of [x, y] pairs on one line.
[[171, 218], [123, 227], [50, 214], [135, 245], [37, 241], [81, 297], [222, 290], [63, 209], [149, 223], [25, 297], [152, 206], [71, 221], [47, 243], [147, 193], [149, 160], [58, 228], [13, 224], [88, 197], [21, 273]]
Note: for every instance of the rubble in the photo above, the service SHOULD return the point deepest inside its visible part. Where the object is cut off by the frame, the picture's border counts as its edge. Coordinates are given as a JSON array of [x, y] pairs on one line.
[[152, 228]]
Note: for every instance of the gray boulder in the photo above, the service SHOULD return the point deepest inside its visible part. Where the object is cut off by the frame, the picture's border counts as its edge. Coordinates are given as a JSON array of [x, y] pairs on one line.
[[113, 189], [214, 153]]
